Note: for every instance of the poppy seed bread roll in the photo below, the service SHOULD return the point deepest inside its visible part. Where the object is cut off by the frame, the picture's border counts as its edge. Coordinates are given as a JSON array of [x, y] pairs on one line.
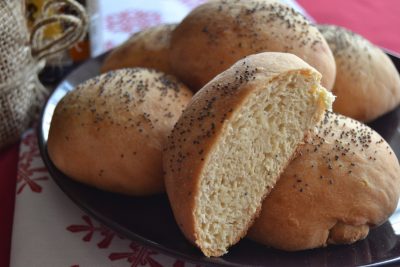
[[345, 181], [367, 83], [218, 33], [148, 48], [109, 132], [232, 142]]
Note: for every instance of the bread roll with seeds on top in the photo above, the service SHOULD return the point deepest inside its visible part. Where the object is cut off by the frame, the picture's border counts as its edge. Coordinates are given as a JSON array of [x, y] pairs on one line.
[[148, 48], [367, 83], [345, 181], [109, 131], [218, 33], [232, 142]]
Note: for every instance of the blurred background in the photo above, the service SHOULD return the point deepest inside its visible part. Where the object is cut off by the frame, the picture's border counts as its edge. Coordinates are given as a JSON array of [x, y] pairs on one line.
[[112, 22]]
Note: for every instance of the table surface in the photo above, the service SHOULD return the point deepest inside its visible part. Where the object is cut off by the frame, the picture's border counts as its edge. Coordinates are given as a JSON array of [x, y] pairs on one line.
[[376, 20]]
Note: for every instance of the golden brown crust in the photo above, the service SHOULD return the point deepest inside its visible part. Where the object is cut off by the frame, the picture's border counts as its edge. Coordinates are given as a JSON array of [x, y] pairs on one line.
[[218, 33], [367, 83], [342, 183], [109, 132], [201, 124], [148, 48]]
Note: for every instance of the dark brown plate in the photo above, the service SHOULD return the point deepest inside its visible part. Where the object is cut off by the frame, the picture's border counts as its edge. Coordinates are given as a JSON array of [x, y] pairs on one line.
[[150, 222]]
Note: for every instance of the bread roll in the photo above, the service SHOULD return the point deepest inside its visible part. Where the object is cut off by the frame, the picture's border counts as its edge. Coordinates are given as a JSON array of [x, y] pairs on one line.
[[345, 181], [218, 33], [109, 132], [367, 83], [232, 142], [148, 48]]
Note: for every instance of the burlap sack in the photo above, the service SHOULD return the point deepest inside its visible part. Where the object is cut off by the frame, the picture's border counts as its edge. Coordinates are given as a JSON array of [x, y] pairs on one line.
[[22, 56]]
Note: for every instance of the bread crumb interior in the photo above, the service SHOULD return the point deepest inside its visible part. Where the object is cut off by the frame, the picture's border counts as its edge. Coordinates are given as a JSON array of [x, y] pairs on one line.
[[255, 144]]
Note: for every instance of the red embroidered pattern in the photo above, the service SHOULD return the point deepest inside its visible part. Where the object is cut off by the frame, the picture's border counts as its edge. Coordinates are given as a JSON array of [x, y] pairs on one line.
[[26, 170], [30, 140], [139, 256], [130, 21], [90, 228]]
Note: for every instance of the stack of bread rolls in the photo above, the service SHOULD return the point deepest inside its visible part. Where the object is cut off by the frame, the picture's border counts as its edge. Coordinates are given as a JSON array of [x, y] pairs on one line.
[[254, 151]]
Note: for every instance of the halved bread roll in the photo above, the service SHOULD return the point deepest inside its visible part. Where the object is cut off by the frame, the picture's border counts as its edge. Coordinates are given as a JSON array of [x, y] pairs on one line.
[[345, 181], [232, 142]]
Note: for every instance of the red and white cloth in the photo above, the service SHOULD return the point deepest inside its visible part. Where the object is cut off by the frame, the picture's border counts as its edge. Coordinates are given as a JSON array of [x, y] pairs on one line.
[[111, 24], [50, 230]]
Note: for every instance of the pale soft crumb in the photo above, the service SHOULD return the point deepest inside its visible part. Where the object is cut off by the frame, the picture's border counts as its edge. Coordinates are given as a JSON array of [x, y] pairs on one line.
[[256, 144]]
